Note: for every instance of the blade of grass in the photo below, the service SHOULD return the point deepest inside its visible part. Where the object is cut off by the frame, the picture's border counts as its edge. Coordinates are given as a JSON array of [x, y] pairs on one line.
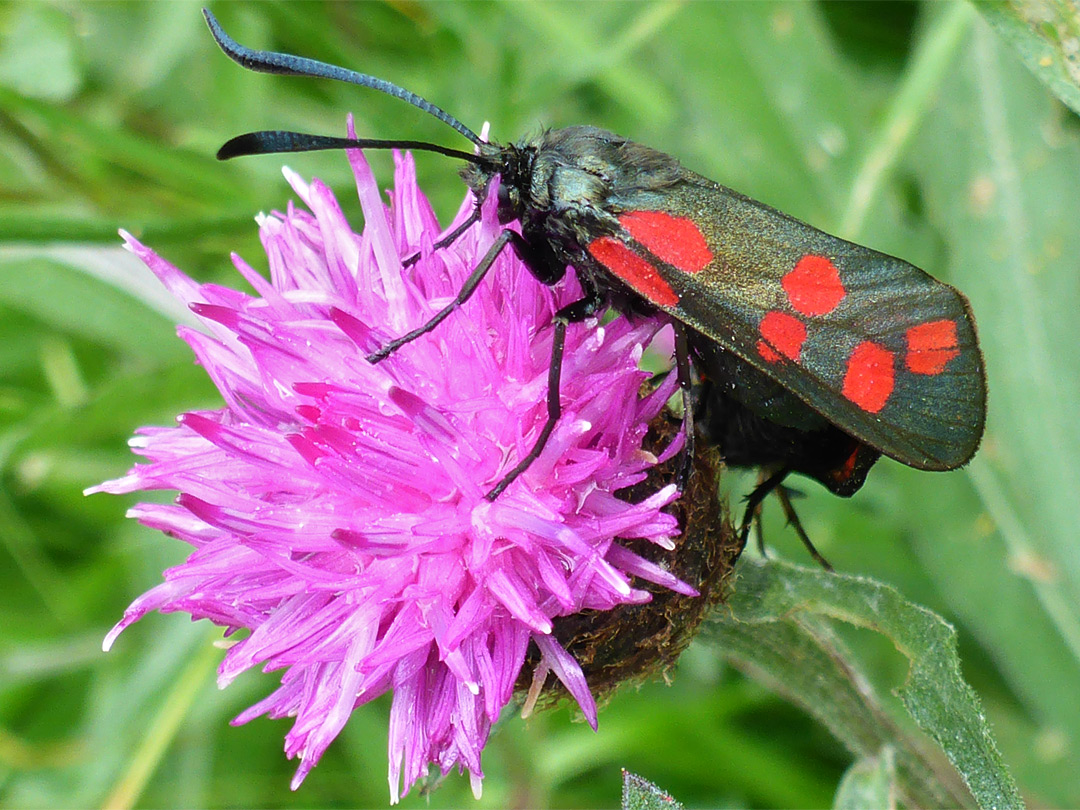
[[162, 729], [932, 58]]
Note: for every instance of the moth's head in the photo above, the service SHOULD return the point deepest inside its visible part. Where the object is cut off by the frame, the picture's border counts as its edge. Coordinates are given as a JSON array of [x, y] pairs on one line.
[[514, 165]]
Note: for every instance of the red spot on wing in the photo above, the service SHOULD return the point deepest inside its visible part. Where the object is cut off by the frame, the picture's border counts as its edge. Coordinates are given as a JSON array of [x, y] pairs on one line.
[[813, 286], [676, 240], [782, 336], [930, 346], [634, 270], [870, 375], [766, 351]]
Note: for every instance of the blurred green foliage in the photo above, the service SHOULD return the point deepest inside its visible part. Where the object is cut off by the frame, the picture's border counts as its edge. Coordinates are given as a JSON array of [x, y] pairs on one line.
[[913, 129]]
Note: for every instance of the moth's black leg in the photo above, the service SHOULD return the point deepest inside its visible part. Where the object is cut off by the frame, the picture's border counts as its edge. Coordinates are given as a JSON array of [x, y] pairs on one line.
[[682, 365], [754, 499], [450, 238], [796, 524], [589, 304], [575, 312], [554, 409], [759, 531], [467, 289]]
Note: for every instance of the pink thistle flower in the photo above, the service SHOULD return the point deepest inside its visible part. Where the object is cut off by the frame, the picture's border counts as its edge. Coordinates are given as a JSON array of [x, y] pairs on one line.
[[336, 508]]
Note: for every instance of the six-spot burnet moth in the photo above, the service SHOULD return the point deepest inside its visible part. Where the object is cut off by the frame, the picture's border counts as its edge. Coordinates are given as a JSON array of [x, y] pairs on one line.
[[815, 355]]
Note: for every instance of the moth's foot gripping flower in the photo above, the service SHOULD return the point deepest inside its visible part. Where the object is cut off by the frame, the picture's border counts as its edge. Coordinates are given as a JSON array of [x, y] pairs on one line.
[[336, 508]]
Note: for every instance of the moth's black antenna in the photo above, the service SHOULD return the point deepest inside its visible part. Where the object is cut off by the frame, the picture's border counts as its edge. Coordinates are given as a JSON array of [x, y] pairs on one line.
[[270, 141], [288, 65]]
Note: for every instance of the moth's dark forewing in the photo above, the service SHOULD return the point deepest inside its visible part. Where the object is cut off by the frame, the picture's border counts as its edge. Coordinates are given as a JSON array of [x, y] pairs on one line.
[[889, 356]]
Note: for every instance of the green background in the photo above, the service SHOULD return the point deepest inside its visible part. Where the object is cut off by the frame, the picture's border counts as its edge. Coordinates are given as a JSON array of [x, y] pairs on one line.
[[913, 129]]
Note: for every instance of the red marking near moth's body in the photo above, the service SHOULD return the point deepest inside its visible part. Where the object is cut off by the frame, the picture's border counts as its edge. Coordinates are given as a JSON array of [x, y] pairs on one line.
[[813, 286], [676, 240], [930, 346], [634, 270], [782, 336], [870, 376], [847, 469]]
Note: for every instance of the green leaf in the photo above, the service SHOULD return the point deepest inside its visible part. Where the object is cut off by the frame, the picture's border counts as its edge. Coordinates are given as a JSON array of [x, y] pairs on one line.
[[869, 782], [37, 56], [102, 151], [641, 794], [1046, 34], [1007, 204], [57, 284], [778, 627]]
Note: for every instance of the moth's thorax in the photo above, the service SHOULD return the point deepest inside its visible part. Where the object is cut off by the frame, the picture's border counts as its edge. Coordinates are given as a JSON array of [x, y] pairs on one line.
[[567, 184], [593, 167]]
